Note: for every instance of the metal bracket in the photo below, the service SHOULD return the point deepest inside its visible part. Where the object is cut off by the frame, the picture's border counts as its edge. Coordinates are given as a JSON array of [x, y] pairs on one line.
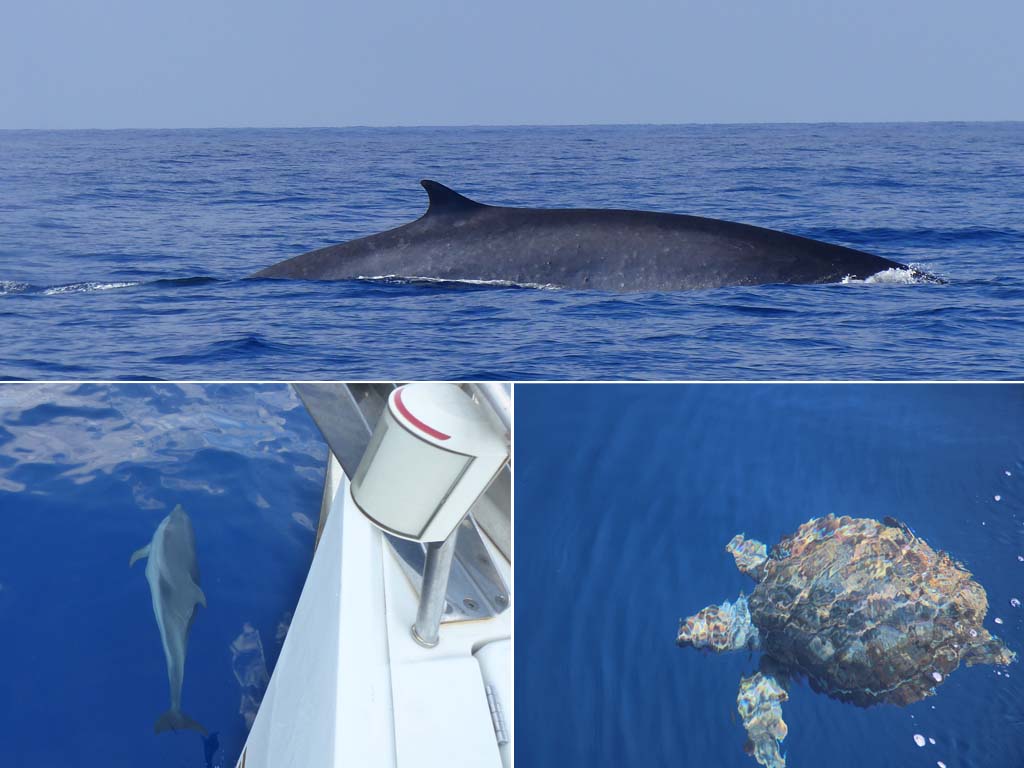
[[475, 588]]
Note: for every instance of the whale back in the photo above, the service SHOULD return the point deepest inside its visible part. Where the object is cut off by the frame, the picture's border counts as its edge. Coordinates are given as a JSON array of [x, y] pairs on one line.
[[458, 238]]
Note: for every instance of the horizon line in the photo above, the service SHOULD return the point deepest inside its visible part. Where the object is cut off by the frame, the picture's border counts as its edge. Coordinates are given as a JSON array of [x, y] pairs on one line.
[[392, 126]]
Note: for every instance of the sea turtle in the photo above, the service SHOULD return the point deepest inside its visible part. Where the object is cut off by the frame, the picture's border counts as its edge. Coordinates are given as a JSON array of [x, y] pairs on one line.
[[865, 610]]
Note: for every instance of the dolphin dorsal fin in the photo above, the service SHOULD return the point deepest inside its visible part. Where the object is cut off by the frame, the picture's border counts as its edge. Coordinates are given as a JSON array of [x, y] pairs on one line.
[[445, 200]]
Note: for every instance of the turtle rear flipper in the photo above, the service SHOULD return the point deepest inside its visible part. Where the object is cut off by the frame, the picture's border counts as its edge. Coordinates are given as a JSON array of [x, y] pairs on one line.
[[759, 703], [725, 627], [986, 648]]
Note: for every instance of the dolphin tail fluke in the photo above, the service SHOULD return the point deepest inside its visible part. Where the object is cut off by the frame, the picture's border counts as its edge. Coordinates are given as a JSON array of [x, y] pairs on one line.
[[138, 554], [172, 720]]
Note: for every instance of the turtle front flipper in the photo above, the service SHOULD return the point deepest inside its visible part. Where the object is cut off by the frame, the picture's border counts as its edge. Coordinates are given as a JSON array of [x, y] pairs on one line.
[[725, 627], [750, 555], [986, 648], [759, 703]]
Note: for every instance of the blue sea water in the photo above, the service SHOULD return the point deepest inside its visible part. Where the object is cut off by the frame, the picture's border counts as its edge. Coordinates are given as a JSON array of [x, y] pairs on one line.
[[122, 253], [625, 499], [86, 474]]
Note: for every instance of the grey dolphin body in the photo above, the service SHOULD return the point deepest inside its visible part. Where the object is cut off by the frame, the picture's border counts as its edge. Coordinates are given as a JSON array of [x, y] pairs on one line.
[[173, 577], [615, 250]]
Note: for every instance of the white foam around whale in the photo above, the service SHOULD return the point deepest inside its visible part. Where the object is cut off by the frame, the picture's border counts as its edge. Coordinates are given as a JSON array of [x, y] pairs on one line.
[[85, 287], [10, 286], [465, 281], [892, 276]]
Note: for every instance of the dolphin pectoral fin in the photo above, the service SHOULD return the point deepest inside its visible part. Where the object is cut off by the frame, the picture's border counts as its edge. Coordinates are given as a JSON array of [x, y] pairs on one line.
[[172, 720], [200, 597], [138, 554]]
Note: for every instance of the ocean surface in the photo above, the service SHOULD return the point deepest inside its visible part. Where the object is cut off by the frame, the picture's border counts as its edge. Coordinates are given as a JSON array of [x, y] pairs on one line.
[[86, 475], [122, 253], [625, 499]]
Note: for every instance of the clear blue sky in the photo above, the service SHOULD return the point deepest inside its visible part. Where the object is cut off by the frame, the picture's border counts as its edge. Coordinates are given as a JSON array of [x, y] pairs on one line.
[[198, 63]]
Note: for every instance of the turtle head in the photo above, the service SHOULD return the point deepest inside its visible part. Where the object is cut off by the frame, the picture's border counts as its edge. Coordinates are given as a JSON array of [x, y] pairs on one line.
[[720, 628]]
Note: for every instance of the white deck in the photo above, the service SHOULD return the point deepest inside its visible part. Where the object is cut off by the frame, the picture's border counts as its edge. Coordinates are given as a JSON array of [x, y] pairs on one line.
[[351, 686]]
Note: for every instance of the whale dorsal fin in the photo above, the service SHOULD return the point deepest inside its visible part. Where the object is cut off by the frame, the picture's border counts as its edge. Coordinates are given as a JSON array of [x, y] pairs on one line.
[[445, 200]]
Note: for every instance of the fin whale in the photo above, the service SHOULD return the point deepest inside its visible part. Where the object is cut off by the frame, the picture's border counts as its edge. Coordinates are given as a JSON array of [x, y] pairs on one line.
[[614, 250], [173, 576]]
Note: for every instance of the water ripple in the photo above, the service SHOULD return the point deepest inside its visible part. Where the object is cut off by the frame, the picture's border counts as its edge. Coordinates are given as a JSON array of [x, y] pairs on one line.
[[123, 253]]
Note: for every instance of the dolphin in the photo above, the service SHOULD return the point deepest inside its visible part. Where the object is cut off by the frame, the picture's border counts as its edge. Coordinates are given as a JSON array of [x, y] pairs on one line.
[[173, 577], [612, 250]]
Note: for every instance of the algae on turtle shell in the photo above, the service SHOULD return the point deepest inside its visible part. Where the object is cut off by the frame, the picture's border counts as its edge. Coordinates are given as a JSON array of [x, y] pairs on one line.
[[866, 611]]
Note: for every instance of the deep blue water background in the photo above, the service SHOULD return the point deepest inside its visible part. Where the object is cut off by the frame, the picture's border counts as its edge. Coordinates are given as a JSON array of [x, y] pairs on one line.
[[86, 475], [625, 499], [103, 234]]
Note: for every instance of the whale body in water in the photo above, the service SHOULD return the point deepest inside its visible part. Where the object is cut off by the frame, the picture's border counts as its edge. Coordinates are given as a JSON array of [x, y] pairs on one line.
[[173, 576], [614, 250]]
